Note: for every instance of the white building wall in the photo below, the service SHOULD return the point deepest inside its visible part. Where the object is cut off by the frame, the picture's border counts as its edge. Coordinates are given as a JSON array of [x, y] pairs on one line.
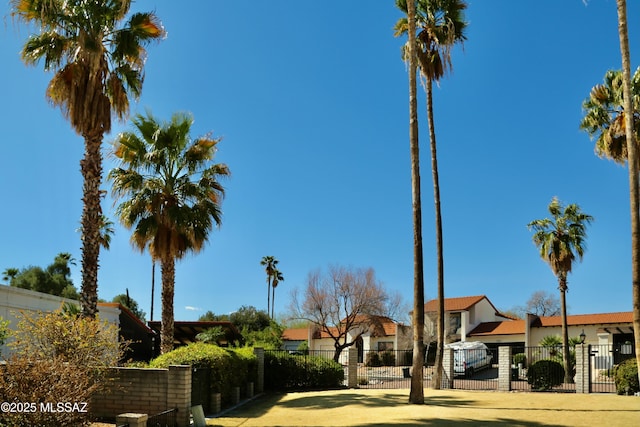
[[15, 300]]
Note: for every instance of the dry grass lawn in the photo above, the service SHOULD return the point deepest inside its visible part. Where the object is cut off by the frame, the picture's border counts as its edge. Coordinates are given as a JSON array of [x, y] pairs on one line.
[[443, 408]]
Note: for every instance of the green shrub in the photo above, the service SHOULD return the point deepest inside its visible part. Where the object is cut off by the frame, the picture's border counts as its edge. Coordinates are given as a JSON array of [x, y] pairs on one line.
[[520, 358], [283, 371], [626, 377], [228, 367], [545, 374], [388, 358], [373, 360]]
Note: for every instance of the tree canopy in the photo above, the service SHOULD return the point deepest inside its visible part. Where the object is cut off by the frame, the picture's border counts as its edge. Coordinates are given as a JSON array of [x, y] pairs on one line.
[[55, 279]]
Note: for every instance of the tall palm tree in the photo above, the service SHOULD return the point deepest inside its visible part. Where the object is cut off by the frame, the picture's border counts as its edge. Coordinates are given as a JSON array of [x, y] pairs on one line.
[[9, 274], [634, 173], [416, 393], [604, 115], [277, 278], [441, 26], [171, 193], [97, 61], [269, 262], [559, 240], [617, 136]]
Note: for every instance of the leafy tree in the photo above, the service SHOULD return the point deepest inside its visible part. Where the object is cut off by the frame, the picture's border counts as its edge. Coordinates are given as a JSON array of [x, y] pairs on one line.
[[269, 337], [210, 316], [269, 262], [248, 318], [559, 240], [344, 303], [172, 195], [131, 304], [211, 335], [55, 279], [441, 25], [97, 63]]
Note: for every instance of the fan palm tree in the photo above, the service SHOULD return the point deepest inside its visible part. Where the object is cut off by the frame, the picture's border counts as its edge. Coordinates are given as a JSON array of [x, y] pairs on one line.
[[559, 240], [440, 25], [97, 61], [634, 173], [172, 195], [604, 115], [277, 278], [617, 135], [416, 393], [269, 262]]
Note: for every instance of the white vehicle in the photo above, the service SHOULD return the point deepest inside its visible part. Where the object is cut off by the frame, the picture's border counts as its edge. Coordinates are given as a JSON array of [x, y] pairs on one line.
[[469, 357]]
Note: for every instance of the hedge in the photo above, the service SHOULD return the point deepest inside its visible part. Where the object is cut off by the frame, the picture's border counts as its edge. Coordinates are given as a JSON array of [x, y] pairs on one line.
[[283, 371], [626, 377], [545, 374], [228, 367]]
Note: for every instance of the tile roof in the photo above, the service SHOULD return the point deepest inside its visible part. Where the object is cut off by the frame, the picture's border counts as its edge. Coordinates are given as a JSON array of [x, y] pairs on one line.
[[296, 334], [586, 319], [507, 327], [455, 304], [514, 327]]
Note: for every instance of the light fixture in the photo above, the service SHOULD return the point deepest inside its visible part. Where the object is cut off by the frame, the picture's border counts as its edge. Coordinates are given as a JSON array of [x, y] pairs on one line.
[[583, 336]]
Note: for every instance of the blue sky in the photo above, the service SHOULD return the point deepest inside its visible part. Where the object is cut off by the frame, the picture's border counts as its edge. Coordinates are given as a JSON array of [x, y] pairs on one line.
[[311, 100]]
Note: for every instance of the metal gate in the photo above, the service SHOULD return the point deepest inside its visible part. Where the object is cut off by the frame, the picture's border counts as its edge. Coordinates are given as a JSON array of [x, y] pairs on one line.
[[201, 388]]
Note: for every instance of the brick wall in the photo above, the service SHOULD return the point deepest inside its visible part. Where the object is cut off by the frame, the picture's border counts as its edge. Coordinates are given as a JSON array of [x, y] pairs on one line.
[[145, 391]]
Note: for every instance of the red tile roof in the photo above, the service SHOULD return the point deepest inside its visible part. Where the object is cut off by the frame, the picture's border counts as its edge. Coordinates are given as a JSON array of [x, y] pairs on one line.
[[455, 304], [586, 319], [296, 334], [514, 327], [507, 327]]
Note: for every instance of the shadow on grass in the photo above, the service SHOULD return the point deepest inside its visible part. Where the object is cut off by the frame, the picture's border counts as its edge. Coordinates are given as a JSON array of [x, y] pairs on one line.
[[359, 399], [261, 405], [433, 422]]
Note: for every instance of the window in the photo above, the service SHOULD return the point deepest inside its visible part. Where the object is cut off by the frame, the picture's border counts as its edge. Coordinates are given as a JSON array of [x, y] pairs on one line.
[[385, 345]]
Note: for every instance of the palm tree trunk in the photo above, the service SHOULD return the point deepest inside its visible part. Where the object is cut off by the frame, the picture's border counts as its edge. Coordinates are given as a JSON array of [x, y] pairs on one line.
[[437, 379], [416, 394], [91, 169], [562, 285], [168, 267], [273, 301], [268, 295], [632, 152]]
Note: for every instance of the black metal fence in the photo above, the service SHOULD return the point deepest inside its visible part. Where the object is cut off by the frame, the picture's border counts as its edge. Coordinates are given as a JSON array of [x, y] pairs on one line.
[[163, 419], [386, 369], [201, 388], [539, 368], [475, 369]]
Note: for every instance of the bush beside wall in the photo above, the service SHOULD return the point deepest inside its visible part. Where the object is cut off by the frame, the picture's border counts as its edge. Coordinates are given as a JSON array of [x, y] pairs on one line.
[[283, 371]]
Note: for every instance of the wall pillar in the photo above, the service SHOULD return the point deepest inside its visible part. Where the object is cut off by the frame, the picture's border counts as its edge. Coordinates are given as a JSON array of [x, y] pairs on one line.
[[352, 368], [259, 352], [447, 368], [583, 369], [132, 420], [179, 393], [504, 368]]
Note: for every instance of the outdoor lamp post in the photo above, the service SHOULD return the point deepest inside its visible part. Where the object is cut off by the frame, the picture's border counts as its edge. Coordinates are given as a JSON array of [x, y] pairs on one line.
[[583, 336]]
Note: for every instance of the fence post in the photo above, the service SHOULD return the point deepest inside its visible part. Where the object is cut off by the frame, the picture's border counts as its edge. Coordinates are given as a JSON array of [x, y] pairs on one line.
[[504, 368], [259, 352], [352, 368], [447, 368], [179, 393], [583, 376]]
